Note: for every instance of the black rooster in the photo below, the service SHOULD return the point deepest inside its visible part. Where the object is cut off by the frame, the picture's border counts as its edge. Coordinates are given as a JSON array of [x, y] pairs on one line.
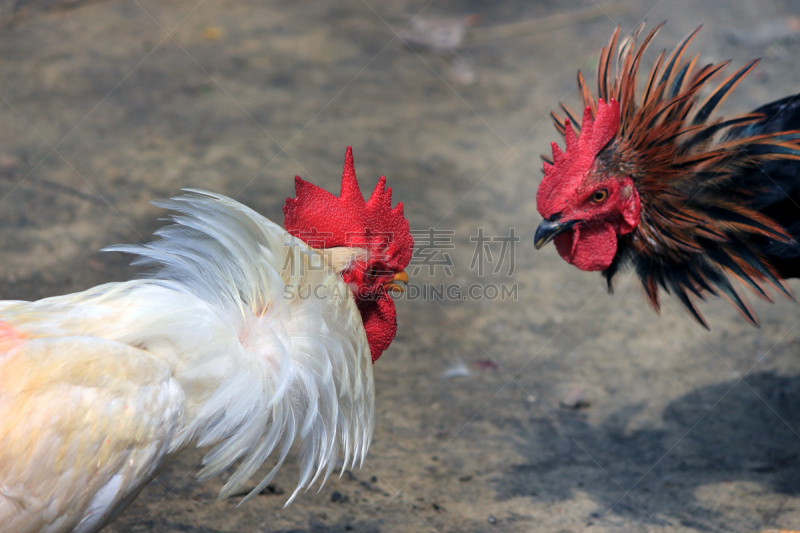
[[688, 200]]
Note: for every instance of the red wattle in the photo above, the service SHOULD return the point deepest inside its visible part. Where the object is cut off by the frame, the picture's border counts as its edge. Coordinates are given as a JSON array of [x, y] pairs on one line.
[[589, 246], [380, 323]]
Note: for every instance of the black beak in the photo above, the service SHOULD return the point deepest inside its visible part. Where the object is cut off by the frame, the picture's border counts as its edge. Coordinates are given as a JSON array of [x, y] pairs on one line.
[[547, 231]]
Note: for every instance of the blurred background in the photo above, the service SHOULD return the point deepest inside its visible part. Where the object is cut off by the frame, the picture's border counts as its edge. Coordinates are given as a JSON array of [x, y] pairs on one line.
[[550, 407]]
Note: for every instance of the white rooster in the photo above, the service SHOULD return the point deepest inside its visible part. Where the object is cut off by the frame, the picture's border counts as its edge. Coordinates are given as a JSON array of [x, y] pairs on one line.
[[244, 338]]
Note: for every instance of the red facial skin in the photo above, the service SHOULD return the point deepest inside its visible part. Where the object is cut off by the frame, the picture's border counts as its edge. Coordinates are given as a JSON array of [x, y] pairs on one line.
[[367, 281], [367, 278], [591, 244], [600, 207], [325, 221]]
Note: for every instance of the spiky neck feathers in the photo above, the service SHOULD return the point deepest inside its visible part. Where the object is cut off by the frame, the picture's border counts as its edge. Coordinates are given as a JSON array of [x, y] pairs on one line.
[[379, 233]]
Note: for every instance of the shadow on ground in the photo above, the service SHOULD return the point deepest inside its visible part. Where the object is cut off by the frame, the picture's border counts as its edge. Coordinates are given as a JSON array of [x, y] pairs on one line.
[[733, 431]]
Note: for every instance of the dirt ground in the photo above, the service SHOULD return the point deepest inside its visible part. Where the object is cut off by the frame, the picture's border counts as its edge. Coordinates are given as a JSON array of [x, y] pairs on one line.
[[108, 105]]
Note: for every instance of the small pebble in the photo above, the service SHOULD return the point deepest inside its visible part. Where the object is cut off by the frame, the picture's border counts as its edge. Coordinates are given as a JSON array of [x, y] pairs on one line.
[[212, 33], [439, 34], [462, 71], [457, 369], [487, 364], [491, 519], [337, 496], [576, 398]]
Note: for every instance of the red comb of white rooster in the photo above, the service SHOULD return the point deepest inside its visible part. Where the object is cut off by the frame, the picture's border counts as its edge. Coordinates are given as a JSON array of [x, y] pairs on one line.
[[324, 221]]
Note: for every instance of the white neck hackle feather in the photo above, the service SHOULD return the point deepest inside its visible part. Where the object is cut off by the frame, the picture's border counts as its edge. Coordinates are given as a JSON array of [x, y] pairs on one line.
[[309, 372]]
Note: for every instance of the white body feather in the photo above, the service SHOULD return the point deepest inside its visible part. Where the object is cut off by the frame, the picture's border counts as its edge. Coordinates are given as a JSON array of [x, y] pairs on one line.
[[100, 390]]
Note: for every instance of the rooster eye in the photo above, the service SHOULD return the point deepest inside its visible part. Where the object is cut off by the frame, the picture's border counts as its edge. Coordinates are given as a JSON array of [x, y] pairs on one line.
[[600, 196], [372, 273]]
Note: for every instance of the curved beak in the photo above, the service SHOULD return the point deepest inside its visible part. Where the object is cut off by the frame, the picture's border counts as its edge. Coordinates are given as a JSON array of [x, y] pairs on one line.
[[547, 231], [393, 286]]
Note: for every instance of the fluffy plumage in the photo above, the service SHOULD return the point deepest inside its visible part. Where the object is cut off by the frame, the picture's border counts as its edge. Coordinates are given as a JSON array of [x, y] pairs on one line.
[[689, 200], [220, 346]]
